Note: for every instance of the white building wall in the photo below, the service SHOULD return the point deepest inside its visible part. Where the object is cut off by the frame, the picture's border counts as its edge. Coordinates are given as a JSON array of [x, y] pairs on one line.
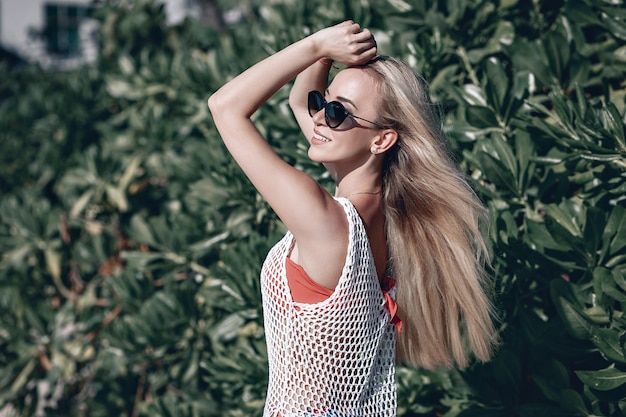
[[20, 18], [17, 16]]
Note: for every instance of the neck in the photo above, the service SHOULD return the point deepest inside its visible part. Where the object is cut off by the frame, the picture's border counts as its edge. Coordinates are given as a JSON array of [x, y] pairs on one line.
[[364, 193], [354, 184]]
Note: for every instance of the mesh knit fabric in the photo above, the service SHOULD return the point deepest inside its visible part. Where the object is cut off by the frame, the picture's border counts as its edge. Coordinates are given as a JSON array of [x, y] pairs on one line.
[[335, 357]]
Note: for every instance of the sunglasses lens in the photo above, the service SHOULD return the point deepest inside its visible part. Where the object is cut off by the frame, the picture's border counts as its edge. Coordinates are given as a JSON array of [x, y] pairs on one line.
[[335, 114], [316, 102]]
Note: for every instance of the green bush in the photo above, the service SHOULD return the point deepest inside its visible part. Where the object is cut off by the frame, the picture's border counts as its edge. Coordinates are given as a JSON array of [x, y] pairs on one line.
[[131, 242]]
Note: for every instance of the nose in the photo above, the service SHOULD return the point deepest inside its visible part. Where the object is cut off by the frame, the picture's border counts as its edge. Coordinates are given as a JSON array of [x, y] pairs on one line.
[[319, 116]]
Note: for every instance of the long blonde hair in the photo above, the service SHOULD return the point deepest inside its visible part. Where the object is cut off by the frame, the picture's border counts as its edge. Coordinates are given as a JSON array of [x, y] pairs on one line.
[[436, 249]]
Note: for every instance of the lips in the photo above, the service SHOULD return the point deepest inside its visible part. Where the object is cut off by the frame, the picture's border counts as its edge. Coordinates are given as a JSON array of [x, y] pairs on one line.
[[320, 138]]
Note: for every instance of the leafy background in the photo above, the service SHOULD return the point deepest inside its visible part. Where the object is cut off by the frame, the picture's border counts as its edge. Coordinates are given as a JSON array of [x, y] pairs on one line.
[[131, 243]]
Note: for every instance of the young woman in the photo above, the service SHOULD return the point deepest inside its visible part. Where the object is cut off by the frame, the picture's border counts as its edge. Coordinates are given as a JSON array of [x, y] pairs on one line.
[[393, 262]]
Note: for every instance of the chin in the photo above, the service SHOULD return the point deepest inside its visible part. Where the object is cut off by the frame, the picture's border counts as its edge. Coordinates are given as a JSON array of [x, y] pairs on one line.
[[321, 156], [315, 156]]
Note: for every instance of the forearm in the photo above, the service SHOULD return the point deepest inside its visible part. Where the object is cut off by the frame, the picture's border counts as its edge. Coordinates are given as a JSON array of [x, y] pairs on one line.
[[315, 77], [247, 92]]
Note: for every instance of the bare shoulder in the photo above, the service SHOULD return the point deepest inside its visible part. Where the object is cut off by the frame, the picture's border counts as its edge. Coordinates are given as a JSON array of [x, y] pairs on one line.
[[322, 253]]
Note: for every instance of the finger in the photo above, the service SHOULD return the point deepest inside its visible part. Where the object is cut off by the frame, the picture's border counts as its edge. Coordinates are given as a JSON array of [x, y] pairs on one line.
[[351, 27], [366, 45], [367, 55], [364, 35]]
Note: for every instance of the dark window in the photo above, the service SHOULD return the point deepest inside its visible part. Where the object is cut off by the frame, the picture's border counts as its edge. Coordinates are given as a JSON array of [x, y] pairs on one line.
[[62, 27]]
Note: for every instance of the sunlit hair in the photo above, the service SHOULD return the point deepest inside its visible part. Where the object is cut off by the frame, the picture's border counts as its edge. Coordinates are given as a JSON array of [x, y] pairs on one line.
[[433, 217]]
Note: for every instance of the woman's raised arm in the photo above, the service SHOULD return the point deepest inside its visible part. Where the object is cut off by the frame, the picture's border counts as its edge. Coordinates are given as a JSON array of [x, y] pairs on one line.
[[297, 199]]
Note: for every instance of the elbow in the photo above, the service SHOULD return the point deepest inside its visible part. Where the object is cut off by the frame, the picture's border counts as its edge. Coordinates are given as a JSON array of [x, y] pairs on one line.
[[226, 115], [224, 106], [214, 103], [217, 103]]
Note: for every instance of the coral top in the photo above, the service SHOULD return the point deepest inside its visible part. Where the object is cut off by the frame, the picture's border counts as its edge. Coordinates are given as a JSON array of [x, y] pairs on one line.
[[304, 290]]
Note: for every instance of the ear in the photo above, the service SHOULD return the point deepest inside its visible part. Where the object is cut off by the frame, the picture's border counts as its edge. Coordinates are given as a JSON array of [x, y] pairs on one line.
[[383, 142]]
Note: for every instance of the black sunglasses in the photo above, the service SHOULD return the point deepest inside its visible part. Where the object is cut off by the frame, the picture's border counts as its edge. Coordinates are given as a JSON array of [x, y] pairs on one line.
[[334, 112]]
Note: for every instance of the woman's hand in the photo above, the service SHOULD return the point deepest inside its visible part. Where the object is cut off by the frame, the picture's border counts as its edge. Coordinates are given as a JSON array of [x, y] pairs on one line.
[[346, 43]]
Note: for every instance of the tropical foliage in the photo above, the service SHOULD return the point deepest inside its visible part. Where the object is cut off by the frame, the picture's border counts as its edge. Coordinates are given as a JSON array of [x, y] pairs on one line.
[[131, 243]]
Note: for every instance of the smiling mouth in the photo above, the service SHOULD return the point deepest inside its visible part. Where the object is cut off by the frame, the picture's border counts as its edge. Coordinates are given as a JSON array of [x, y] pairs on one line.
[[320, 138]]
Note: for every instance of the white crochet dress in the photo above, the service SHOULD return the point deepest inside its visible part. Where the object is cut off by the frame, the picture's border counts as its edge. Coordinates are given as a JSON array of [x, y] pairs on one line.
[[336, 357]]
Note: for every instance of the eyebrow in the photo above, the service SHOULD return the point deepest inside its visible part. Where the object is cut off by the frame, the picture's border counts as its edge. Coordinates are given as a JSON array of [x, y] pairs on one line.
[[344, 99]]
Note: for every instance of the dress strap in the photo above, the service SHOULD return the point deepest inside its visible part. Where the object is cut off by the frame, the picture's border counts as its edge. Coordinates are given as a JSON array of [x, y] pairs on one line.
[[387, 285]]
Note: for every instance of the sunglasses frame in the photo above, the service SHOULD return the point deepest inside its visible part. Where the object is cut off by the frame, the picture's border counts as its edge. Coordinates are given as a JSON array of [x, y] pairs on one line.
[[338, 107]]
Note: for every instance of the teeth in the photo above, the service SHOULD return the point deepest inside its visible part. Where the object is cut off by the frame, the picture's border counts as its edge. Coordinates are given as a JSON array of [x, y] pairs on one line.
[[319, 137]]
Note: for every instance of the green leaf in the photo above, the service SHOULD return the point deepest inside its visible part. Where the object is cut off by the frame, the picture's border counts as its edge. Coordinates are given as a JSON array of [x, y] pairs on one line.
[[564, 219], [603, 380], [141, 230], [575, 322], [507, 369], [505, 154], [517, 94], [228, 328], [23, 377], [594, 225], [507, 227], [129, 173], [127, 66], [496, 172], [53, 262], [615, 230], [480, 116], [472, 95], [122, 89], [615, 26], [567, 242], [614, 124], [551, 377], [573, 401], [616, 260], [82, 202], [619, 279], [573, 319], [117, 197], [496, 84], [524, 151], [538, 236], [557, 53], [607, 341], [208, 190], [527, 55], [580, 13], [17, 255]]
